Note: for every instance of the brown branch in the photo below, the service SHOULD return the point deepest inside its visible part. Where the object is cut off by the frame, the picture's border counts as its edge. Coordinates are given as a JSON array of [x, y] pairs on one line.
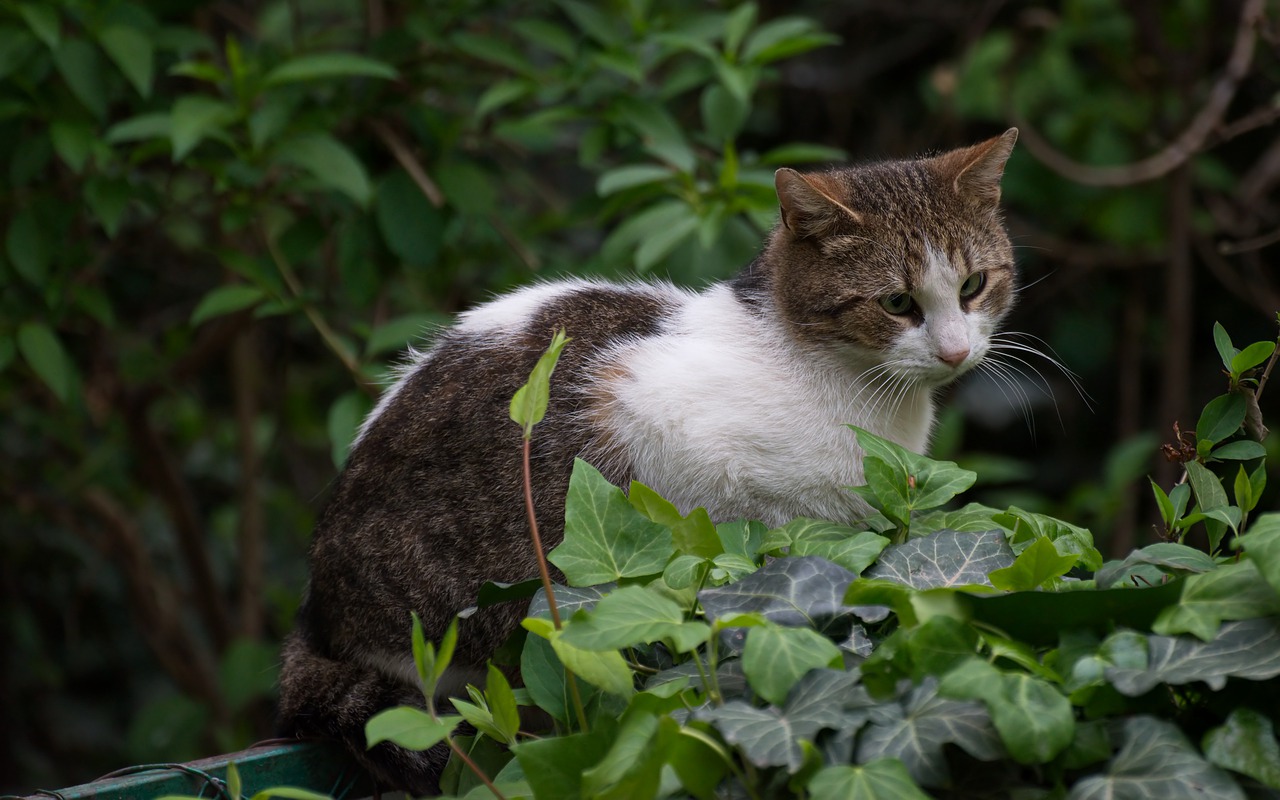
[[1175, 379], [1177, 152], [161, 471], [245, 382], [1246, 245], [1259, 118], [321, 325], [1260, 297], [409, 161], [522, 251]]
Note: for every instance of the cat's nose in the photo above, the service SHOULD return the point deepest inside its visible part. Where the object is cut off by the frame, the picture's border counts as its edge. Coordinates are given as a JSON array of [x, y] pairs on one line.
[[954, 358]]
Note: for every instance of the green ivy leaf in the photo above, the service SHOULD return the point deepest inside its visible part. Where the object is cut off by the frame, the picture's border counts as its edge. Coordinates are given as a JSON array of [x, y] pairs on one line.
[[1230, 592], [1156, 761], [944, 559], [554, 766], [906, 481], [1247, 649], [798, 591], [131, 50], [886, 779], [634, 615], [775, 658], [693, 535], [1246, 743], [633, 765], [1034, 718], [411, 728], [328, 161], [1033, 568], [156, 125], [852, 549], [605, 538], [322, 66], [1262, 546], [1027, 527]]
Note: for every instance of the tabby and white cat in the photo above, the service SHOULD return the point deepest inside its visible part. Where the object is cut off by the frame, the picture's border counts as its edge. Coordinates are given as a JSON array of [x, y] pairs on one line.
[[880, 284]]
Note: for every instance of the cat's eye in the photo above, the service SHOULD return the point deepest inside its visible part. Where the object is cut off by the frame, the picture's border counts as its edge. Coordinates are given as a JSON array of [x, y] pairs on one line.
[[973, 284], [898, 304]]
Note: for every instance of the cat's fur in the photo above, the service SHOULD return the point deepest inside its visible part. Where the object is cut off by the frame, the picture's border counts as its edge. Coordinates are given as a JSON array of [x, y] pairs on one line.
[[734, 398]]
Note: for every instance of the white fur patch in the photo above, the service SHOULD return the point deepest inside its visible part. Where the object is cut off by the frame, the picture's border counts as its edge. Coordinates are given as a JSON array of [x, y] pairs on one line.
[[724, 410]]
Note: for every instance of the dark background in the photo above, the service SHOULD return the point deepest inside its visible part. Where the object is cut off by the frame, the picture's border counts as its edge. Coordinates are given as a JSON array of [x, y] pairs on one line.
[[199, 297]]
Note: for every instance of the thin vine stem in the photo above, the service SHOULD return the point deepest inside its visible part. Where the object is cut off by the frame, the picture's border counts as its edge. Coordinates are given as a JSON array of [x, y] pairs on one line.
[[466, 759], [545, 573]]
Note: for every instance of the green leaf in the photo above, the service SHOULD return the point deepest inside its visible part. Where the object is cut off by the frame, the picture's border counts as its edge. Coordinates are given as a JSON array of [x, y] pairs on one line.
[[108, 199], [158, 125], [410, 225], [944, 559], [723, 113], [26, 247], [605, 537], [247, 671], [1248, 649], [343, 421], [1033, 568], [330, 162], [616, 180], [1221, 418], [736, 26], [693, 535], [1262, 547], [502, 704], [886, 779], [1027, 527], [554, 766], [909, 481], [801, 153], [1209, 495], [1156, 761], [226, 300], [1241, 450], [411, 728], [321, 66], [492, 50], [1230, 592], [44, 353], [233, 781], [783, 37], [1170, 557], [1222, 342], [593, 22], [79, 64], [634, 615], [501, 94], [192, 119], [919, 729], [72, 141], [131, 50], [658, 130], [1246, 743], [798, 591], [1034, 718], [396, 334], [468, 187], [775, 658], [658, 246], [606, 670], [43, 20], [16, 46], [529, 404], [1040, 617], [852, 549], [1252, 356]]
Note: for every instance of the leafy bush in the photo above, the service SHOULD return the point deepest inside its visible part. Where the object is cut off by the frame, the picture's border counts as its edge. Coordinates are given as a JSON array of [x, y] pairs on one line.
[[967, 652]]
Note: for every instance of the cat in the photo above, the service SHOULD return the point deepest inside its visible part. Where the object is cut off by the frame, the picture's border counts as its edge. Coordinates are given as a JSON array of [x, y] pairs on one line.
[[879, 284]]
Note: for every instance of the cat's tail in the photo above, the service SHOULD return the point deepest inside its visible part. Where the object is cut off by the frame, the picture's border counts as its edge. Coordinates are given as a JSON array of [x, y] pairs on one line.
[[324, 698]]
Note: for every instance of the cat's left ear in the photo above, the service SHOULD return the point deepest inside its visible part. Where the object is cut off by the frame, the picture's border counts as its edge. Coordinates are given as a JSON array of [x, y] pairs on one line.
[[980, 167]]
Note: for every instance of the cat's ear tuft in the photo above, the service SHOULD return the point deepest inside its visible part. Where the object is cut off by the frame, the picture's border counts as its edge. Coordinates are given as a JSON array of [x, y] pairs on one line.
[[809, 203], [980, 167]]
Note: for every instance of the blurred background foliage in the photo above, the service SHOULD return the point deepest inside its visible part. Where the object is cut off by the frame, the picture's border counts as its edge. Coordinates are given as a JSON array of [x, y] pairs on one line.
[[222, 220]]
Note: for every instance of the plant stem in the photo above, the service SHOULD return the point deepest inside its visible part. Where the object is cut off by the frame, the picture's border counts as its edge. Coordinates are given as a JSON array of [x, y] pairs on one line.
[[1266, 373], [545, 573], [466, 759]]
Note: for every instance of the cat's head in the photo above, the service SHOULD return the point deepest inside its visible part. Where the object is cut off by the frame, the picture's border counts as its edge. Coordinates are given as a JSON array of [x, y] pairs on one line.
[[902, 265]]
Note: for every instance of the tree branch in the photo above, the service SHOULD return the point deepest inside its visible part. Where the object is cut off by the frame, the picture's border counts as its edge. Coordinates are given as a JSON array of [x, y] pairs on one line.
[[409, 161], [1178, 151]]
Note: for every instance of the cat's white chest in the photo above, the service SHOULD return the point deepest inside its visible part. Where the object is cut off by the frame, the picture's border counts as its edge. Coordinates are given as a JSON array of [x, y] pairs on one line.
[[719, 411]]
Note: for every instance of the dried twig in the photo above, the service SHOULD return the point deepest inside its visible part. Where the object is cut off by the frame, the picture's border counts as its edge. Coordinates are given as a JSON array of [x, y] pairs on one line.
[[409, 161], [1179, 150]]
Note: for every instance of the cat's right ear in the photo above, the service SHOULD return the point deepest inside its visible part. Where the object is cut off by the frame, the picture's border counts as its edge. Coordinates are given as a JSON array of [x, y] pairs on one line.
[[808, 203]]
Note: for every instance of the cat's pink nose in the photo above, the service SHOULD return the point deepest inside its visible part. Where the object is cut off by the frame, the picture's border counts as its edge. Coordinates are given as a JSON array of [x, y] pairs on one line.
[[954, 358]]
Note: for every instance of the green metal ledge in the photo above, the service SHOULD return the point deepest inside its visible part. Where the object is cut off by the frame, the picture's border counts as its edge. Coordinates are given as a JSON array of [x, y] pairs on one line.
[[318, 766]]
